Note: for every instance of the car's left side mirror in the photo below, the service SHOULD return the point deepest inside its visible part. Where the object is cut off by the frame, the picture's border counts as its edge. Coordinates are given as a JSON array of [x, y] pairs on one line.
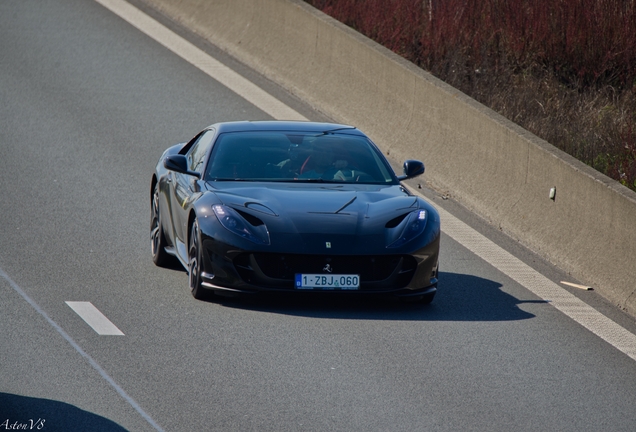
[[412, 168], [179, 163]]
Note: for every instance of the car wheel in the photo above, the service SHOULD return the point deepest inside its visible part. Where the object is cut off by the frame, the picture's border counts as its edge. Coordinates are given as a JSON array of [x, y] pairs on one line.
[[423, 299], [194, 263], [157, 239], [427, 298]]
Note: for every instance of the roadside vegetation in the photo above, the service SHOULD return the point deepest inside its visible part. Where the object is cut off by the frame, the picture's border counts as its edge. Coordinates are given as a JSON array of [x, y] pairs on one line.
[[563, 69]]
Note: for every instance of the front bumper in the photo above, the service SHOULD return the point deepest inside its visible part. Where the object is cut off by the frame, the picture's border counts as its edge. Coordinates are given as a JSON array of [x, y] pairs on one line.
[[233, 271]]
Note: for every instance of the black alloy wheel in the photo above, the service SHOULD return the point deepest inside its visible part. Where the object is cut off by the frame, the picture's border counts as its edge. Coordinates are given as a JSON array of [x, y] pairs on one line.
[[157, 239], [194, 263]]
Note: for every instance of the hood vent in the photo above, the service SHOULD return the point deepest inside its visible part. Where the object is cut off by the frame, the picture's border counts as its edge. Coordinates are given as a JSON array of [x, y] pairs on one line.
[[395, 221]]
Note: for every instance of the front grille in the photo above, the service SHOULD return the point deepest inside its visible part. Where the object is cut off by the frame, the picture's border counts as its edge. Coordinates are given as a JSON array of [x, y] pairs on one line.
[[377, 272]]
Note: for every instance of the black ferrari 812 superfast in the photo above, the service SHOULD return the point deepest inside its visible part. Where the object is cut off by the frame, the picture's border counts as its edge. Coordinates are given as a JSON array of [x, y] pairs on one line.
[[279, 206]]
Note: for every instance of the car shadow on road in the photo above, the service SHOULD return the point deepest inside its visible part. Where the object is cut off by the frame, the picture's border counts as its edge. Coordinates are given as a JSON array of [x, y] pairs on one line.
[[29, 413], [460, 297]]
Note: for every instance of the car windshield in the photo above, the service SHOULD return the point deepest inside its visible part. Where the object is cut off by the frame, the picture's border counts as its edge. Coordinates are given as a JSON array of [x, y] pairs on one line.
[[296, 157]]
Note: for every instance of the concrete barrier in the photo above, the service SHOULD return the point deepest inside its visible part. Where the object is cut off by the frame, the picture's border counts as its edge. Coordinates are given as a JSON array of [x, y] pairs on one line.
[[489, 164]]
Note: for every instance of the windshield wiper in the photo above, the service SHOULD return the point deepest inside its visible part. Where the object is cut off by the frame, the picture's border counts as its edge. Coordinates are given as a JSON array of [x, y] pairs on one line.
[[311, 180]]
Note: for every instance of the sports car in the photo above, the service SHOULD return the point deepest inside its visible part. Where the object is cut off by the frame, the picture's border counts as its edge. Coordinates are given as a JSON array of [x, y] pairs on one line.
[[274, 206]]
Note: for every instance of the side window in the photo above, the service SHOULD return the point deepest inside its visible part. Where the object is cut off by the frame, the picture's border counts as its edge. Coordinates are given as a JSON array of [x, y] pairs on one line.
[[196, 155]]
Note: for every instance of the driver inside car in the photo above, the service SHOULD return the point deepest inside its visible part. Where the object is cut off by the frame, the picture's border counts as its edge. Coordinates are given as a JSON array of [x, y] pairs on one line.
[[324, 163]]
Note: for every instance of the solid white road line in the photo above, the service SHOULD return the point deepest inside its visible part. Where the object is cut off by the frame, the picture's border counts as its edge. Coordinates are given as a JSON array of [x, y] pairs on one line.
[[218, 71], [94, 318], [538, 284], [81, 352]]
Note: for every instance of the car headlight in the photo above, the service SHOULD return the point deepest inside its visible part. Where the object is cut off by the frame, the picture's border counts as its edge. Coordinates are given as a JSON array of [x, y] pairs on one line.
[[234, 222], [410, 227]]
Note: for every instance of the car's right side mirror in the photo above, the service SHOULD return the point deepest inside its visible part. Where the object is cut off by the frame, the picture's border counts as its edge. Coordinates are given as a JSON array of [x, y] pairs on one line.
[[412, 168]]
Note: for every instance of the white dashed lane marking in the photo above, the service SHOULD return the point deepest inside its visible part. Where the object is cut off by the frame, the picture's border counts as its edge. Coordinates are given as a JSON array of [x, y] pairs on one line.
[[80, 351], [94, 318]]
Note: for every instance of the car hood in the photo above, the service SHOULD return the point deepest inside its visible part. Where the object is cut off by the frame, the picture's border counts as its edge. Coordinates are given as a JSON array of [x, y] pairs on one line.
[[331, 218]]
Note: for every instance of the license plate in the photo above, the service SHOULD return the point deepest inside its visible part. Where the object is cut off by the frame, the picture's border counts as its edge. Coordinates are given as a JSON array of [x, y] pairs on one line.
[[327, 282]]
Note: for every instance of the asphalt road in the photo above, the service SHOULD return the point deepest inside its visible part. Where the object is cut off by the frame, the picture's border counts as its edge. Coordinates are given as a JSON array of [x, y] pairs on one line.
[[87, 105]]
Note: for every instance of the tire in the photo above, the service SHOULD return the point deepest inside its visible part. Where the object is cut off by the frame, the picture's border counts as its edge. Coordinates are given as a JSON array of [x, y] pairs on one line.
[[157, 239], [194, 263], [427, 298], [423, 299]]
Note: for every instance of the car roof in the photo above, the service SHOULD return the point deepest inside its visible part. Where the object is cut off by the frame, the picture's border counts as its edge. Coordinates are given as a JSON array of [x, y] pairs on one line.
[[287, 126]]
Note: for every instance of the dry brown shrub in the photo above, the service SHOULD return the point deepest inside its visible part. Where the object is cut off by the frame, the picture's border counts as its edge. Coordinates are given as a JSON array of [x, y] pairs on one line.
[[564, 70]]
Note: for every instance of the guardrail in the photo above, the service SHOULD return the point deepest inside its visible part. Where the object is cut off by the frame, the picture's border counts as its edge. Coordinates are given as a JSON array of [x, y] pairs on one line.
[[577, 218]]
